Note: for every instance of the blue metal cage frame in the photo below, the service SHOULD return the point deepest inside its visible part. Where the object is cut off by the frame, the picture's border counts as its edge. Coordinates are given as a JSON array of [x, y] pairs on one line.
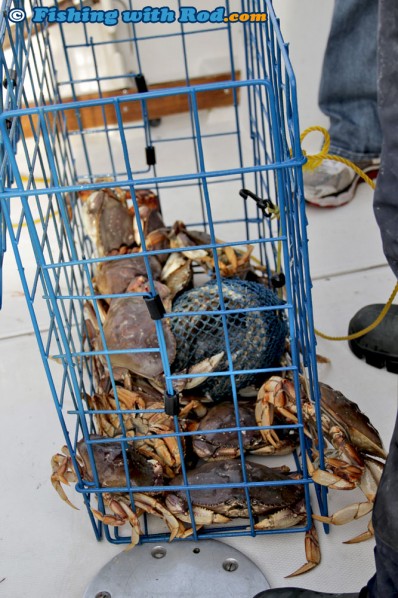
[[55, 257]]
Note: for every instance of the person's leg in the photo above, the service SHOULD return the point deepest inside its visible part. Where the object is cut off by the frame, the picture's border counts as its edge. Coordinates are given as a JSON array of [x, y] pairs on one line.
[[348, 95], [380, 346], [348, 89], [386, 195]]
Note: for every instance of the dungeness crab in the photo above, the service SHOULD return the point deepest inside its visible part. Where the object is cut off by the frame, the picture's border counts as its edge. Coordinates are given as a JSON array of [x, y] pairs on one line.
[[111, 469], [213, 442], [282, 506], [357, 457]]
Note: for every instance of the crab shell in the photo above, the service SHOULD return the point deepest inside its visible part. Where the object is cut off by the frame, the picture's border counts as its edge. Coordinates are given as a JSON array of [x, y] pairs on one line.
[[221, 444], [108, 221], [116, 275], [128, 325], [110, 465], [232, 501], [225, 445], [347, 415]]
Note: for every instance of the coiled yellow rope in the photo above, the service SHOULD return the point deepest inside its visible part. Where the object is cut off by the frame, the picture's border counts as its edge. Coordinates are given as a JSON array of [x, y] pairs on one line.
[[313, 161]]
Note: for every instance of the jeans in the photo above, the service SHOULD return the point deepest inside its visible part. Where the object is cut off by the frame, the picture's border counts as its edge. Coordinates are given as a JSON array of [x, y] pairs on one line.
[[360, 95], [348, 90], [386, 195]]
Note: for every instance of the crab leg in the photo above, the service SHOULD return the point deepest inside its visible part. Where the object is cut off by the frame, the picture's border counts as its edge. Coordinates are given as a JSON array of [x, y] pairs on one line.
[[362, 537], [347, 514], [312, 552], [150, 505]]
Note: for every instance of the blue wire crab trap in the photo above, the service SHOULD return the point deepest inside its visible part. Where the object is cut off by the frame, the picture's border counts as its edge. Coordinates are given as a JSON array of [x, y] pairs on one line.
[[165, 267]]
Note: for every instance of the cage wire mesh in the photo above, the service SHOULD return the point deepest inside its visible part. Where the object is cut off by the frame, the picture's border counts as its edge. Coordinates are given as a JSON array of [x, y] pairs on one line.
[[195, 272]]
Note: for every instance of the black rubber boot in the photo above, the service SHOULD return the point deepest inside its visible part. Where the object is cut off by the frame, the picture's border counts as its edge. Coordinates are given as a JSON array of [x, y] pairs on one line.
[[300, 593], [380, 346]]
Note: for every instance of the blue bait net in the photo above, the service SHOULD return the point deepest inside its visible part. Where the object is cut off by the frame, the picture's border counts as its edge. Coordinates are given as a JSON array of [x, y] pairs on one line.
[[256, 338]]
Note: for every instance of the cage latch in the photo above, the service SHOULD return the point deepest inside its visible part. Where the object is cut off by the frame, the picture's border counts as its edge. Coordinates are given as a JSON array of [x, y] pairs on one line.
[[267, 207], [155, 307], [171, 403]]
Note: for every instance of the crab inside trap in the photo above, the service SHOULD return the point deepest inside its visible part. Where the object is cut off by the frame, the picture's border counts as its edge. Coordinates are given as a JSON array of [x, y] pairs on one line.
[[164, 288]]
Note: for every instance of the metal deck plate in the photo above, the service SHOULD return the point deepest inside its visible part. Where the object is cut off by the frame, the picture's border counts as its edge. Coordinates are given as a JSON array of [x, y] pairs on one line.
[[190, 569]]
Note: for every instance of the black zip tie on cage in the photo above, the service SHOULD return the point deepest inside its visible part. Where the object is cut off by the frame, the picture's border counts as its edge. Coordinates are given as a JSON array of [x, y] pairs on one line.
[[278, 280], [142, 87], [141, 84], [12, 77], [171, 403], [155, 307], [266, 206], [150, 155]]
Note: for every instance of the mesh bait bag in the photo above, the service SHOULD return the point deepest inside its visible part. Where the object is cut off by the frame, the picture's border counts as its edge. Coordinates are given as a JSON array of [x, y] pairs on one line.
[[256, 339]]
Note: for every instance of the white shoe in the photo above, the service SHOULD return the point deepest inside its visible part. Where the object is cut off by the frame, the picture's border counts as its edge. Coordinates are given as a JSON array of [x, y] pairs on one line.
[[333, 183]]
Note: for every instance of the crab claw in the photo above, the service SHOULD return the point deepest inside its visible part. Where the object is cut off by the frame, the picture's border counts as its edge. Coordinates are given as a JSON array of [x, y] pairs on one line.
[[62, 475], [330, 480], [202, 515], [204, 367], [312, 552], [122, 514], [114, 520]]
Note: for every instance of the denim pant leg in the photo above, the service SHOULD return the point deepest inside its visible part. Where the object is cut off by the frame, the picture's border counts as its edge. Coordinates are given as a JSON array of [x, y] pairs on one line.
[[348, 90], [386, 195]]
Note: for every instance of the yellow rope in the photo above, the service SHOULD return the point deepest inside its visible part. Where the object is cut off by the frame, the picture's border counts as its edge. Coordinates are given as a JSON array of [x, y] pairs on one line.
[[313, 161], [364, 331]]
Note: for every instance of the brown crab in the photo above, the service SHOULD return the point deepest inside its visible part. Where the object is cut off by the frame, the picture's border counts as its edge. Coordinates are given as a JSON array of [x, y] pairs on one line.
[[111, 470], [107, 219], [111, 224], [126, 325], [282, 506], [225, 445], [356, 459]]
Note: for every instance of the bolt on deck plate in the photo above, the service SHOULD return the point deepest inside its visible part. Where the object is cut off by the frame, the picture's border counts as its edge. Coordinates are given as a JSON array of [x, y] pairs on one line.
[[193, 569]]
